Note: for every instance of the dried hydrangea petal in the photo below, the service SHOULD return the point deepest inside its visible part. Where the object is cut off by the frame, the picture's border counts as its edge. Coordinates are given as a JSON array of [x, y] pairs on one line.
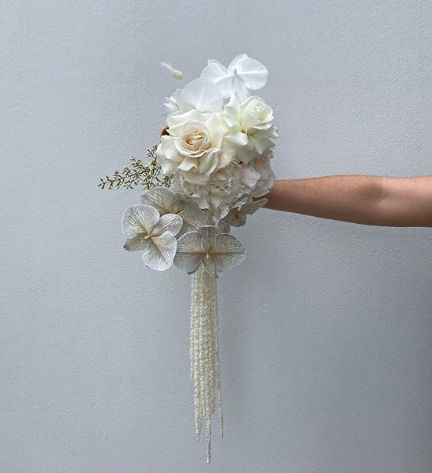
[[139, 219]]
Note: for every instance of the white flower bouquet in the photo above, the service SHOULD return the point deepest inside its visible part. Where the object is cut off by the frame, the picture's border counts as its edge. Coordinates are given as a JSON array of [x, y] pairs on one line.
[[210, 171]]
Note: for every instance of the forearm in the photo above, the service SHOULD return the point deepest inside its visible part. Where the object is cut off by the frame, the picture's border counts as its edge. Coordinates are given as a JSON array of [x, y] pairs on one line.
[[369, 200]]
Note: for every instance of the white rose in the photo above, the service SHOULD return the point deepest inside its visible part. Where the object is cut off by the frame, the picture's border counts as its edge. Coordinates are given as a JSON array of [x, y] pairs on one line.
[[249, 119], [195, 147]]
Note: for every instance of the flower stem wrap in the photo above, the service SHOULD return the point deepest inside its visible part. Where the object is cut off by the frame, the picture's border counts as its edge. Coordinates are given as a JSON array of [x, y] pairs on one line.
[[204, 355]]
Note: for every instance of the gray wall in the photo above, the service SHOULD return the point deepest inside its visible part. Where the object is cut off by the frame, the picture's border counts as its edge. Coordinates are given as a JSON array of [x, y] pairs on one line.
[[325, 330]]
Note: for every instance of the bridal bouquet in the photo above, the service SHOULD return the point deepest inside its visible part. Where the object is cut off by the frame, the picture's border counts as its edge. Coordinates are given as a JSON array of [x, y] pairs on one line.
[[208, 173]]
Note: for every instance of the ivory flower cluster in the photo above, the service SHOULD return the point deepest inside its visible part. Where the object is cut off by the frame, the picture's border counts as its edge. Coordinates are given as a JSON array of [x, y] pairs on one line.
[[219, 139]]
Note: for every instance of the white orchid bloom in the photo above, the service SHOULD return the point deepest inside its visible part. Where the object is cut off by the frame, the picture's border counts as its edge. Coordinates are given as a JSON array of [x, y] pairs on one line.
[[155, 235], [165, 201], [200, 94], [243, 75], [210, 247], [238, 214]]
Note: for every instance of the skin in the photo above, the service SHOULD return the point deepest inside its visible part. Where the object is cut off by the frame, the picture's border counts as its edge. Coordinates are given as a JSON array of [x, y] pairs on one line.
[[367, 200]]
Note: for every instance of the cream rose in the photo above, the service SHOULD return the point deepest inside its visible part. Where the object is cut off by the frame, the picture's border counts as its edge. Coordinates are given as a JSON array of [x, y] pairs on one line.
[[195, 147]]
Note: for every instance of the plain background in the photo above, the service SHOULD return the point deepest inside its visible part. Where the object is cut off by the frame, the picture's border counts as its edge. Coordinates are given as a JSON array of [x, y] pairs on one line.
[[326, 328]]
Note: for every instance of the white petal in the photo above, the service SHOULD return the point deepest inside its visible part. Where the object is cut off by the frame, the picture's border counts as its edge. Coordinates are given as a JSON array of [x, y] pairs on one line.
[[227, 252], [234, 63], [137, 243], [168, 223], [189, 252], [139, 219], [238, 138], [219, 75], [190, 242], [164, 200], [253, 73], [193, 216], [209, 262], [203, 95], [159, 255], [188, 262], [209, 234], [252, 207]]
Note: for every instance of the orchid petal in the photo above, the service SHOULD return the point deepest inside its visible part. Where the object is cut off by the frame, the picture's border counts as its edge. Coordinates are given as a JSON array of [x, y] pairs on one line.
[[209, 234], [219, 75], [252, 72], [209, 262], [203, 95], [193, 216], [227, 252], [168, 223], [139, 219], [164, 200], [189, 252], [137, 243], [159, 255], [190, 242]]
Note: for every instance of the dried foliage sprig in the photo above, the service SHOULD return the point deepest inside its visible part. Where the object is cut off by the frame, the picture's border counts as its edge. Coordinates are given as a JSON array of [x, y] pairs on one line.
[[138, 173]]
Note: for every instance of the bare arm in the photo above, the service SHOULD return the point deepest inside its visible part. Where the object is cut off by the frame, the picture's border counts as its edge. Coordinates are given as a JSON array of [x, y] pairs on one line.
[[368, 200]]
